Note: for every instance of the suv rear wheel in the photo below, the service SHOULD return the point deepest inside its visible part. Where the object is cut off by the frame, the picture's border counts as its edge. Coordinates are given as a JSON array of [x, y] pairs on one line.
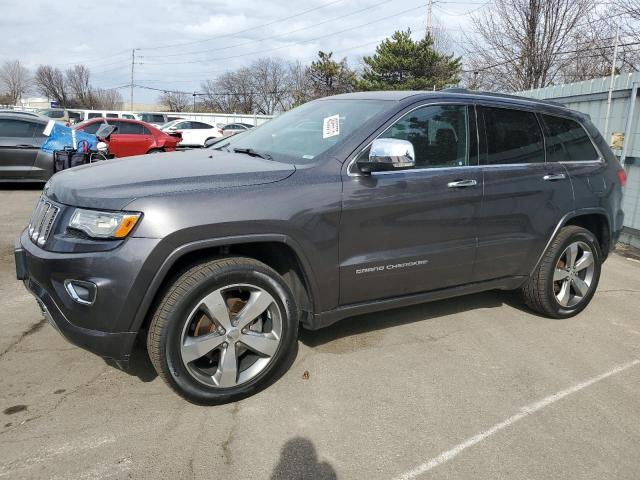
[[222, 330], [567, 277]]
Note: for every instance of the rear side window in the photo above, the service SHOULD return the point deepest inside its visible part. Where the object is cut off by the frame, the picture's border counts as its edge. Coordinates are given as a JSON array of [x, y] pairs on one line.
[[512, 136], [126, 128], [158, 119], [567, 141], [91, 115], [92, 128], [17, 128], [200, 125]]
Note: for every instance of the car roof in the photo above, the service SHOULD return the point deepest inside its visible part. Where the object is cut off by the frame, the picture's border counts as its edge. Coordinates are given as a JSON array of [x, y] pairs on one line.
[[27, 118], [459, 94]]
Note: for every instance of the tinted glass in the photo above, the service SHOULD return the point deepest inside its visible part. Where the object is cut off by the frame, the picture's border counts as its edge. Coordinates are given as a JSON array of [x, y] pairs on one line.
[[126, 128], [512, 136], [438, 134], [158, 119], [145, 130], [567, 141], [94, 115], [200, 125], [112, 115], [17, 128], [183, 125], [92, 128]]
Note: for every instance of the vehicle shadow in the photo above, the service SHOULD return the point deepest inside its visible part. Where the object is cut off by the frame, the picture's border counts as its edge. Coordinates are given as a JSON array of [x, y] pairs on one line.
[[416, 313], [21, 186], [139, 364], [299, 459]]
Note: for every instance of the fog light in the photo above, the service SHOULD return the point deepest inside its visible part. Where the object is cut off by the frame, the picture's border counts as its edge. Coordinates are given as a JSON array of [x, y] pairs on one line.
[[81, 291]]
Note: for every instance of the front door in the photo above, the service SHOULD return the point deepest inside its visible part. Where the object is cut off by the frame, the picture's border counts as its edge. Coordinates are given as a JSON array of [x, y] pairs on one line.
[[414, 230], [524, 196], [131, 138], [19, 146]]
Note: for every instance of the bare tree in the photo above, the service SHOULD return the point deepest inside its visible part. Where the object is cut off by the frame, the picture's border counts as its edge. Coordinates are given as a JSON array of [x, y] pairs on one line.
[[51, 82], [79, 85], [231, 92], [107, 99], [527, 43], [272, 85], [14, 81], [175, 101]]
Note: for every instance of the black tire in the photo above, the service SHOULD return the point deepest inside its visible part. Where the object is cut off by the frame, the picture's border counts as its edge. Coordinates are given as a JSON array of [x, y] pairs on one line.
[[539, 293], [167, 326], [155, 150]]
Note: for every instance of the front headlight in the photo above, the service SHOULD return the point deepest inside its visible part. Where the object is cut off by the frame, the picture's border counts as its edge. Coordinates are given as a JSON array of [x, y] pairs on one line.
[[98, 224]]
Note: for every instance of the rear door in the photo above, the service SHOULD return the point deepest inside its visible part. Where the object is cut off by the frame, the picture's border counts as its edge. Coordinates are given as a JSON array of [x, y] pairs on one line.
[[20, 142], [569, 144], [414, 230], [524, 196]]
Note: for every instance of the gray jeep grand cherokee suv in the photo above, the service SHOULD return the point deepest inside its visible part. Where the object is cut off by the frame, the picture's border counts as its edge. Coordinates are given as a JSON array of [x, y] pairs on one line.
[[342, 206]]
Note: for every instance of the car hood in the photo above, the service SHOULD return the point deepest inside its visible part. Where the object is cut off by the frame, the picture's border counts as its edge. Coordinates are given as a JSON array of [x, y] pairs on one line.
[[112, 184]]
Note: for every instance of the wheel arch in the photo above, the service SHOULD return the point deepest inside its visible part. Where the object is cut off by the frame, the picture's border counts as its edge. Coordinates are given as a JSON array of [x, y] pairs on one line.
[[278, 251], [595, 220]]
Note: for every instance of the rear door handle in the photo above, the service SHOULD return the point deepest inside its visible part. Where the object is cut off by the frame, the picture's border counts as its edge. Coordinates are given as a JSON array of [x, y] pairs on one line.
[[554, 176], [462, 183]]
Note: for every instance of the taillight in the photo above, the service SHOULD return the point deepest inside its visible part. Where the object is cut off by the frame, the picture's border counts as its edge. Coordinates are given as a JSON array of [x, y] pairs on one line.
[[220, 131], [622, 177]]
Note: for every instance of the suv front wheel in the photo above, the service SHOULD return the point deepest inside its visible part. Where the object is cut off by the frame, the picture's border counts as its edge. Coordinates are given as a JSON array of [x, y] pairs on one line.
[[222, 330], [567, 277]]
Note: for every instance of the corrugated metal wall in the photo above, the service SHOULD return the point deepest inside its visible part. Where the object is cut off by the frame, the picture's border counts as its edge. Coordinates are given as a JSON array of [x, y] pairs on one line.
[[591, 97]]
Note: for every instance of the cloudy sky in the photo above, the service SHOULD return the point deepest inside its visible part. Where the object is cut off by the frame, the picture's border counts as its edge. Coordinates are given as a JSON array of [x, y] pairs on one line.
[[179, 43]]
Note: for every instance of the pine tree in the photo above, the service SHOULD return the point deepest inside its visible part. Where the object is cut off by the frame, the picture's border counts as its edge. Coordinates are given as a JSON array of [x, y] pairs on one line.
[[328, 77], [401, 63]]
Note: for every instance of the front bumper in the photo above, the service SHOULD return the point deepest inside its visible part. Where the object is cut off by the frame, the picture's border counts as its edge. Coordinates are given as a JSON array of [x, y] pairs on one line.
[[102, 327]]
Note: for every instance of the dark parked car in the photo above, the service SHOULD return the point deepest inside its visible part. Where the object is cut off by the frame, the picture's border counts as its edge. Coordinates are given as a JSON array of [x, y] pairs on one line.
[[20, 156], [343, 206]]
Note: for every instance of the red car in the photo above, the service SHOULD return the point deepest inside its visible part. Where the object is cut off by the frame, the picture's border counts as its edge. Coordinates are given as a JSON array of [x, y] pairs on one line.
[[132, 137]]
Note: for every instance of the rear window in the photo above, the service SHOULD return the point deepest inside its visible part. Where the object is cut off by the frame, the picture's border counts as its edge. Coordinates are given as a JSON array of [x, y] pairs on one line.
[[512, 136], [92, 127], [567, 141]]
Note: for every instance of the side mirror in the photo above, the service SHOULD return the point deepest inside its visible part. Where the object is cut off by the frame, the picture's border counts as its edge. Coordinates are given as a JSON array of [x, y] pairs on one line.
[[388, 154]]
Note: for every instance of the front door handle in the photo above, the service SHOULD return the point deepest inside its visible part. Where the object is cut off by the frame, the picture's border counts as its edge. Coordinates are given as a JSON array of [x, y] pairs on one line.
[[462, 184], [554, 176]]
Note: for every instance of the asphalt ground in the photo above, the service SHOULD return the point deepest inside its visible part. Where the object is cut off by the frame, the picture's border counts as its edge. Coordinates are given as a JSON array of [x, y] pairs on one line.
[[472, 387]]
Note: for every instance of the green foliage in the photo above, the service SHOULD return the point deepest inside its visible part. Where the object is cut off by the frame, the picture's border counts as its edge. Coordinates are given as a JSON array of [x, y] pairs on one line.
[[400, 63], [328, 77]]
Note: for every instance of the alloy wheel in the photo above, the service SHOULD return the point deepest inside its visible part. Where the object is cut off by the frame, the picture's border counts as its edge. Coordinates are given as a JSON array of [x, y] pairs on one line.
[[573, 274], [231, 335]]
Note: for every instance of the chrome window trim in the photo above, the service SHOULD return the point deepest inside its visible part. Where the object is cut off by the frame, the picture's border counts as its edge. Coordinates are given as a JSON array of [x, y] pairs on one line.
[[395, 119]]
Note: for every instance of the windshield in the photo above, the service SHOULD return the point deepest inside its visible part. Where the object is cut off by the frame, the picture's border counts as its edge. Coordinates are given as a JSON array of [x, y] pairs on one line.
[[306, 132]]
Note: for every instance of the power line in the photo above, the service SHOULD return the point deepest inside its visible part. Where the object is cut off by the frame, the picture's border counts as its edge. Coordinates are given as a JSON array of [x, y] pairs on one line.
[[181, 54], [289, 44], [273, 22]]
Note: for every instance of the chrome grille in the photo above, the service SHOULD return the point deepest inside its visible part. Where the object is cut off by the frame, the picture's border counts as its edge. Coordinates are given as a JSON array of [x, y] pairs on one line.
[[41, 221]]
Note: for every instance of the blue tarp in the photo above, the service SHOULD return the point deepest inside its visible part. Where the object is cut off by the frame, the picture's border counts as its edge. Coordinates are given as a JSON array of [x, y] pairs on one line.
[[60, 137]]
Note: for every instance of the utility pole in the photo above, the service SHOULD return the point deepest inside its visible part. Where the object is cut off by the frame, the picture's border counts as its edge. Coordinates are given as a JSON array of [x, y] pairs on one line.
[[133, 62], [430, 18], [613, 73], [194, 102]]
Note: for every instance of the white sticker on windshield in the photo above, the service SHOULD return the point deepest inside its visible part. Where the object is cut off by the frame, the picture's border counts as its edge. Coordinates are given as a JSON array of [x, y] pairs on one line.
[[331, 126]]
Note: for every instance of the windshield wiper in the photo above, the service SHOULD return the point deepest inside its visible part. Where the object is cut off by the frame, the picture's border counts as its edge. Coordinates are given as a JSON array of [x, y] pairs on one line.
[[253, 153]]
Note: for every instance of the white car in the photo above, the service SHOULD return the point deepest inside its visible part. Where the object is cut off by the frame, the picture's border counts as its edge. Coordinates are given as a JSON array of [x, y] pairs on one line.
[[194, 133]]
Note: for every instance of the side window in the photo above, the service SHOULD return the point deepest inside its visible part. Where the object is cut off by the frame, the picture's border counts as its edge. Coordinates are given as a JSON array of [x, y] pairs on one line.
[[158, 119], [183, 126], [438, 134], [200, 125], [91, 115], [512, 136], [145, 130], [567, 141], [129, 128], [17, 128], [112, 115]]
